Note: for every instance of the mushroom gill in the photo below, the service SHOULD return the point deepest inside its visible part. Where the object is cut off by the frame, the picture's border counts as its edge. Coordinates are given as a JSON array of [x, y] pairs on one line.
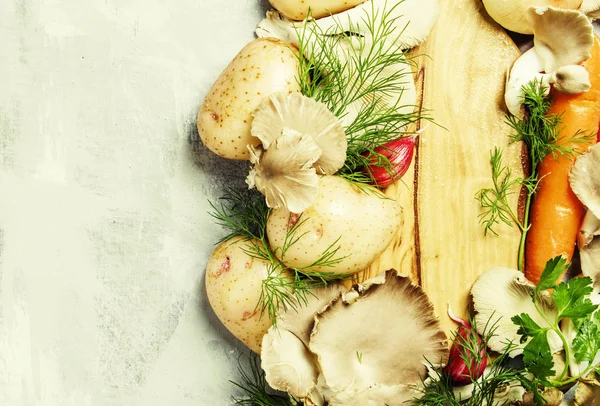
[[383, 338]]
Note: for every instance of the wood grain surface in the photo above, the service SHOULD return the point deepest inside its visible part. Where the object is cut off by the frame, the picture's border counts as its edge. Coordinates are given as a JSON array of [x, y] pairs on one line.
[[461, 76]]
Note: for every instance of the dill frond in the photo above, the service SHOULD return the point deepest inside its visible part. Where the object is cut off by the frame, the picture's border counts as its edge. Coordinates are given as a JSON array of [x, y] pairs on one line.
[[540, 133], [361, 82], [494, 202], [255, 388]]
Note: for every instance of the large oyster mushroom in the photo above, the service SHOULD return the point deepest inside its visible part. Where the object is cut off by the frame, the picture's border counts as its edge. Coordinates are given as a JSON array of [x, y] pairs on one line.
[[501, 293], [370, 346]]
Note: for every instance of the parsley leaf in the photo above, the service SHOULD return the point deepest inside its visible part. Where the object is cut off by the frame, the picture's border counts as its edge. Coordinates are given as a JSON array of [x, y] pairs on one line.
[[553, 270], [537, 358], [570, 299], [527, 327], [586, 343]]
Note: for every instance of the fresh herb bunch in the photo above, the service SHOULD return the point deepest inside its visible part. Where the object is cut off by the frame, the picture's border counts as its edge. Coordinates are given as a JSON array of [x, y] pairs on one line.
[[361, 79], [572, 303], [540, 133], [245, 213]]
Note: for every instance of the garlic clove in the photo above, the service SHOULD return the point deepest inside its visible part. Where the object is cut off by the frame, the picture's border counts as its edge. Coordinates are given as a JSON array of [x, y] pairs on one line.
[[561, 37], [571, 79], [465, 341], [399, 153]]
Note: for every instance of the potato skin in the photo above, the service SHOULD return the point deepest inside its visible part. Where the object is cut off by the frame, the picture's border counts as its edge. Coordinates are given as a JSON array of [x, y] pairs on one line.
[[298, 9], [263, 67], [233, 286], [365, 224]]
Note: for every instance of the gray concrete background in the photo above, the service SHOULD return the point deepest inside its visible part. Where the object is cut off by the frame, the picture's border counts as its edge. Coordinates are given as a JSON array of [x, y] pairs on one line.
[[104, 231]]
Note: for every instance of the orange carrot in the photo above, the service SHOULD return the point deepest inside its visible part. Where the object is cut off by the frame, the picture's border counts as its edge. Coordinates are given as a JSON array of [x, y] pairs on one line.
[[555, 211]]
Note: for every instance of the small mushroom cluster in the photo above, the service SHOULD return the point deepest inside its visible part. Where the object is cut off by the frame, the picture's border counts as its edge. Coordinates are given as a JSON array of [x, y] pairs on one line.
[[512, 14], [562, 40], [300, 138], [369, 346]]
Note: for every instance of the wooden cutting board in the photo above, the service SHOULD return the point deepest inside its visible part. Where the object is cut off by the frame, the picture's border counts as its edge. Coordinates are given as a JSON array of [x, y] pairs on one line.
[[461, 76]]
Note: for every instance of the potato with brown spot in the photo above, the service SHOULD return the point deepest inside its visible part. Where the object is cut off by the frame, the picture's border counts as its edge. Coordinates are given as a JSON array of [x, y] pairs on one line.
[[263, 67], [233, 285], [360, 221]]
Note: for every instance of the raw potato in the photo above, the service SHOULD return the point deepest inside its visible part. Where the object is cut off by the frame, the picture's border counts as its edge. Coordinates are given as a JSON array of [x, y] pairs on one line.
[[364, 223], [233, 286], [265, 66], [298, 9]]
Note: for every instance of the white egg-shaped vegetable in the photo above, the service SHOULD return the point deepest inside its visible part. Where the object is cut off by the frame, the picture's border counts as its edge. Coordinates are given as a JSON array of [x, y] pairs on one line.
[[233, 285], [298, 9], [360, 224], [263, 67]]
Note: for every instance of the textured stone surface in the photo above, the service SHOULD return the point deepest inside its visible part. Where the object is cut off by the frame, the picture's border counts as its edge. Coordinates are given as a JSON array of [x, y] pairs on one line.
[[104, 231]]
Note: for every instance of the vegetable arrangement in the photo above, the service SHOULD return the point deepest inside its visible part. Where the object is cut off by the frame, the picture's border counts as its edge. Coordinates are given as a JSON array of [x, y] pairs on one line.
[[324, 107]]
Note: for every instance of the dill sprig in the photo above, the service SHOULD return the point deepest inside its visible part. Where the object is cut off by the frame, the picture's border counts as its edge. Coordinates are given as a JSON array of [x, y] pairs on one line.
[[361, 81], [255, 388], [245, 213], [540, 131]]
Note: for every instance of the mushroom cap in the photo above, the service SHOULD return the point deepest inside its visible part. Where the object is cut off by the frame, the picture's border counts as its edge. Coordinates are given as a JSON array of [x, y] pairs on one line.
[[376, 395], [571, 79], [301, 320], [561, 37], [501, 293], [305, 116], [511, 14], [385, 337], [526, 68], [288, 365], [284, 172], [591, 8], [585, 179], [588, 391], [588, 241], [412, 19]]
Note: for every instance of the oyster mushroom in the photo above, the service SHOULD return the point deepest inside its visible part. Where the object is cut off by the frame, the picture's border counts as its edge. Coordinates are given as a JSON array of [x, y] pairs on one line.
[[590, 8], [562, 39], [292, 112], [413, 20], [501, 293], [588, 392], [370, 347], [391, 348], [585, 183], [284, 173], [288, 364], [512, 14]]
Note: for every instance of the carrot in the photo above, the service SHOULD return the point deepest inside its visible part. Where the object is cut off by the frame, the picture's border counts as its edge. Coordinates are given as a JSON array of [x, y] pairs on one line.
[[556, 212]]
